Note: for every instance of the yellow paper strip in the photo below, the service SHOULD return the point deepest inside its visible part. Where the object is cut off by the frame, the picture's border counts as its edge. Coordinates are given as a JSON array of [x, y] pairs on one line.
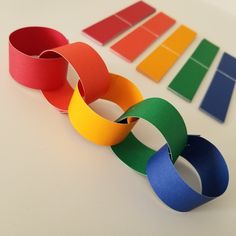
[[158, 63]]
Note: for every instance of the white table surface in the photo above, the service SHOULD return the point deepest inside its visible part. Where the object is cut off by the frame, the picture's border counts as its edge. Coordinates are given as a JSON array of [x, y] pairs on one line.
[[55, 183]]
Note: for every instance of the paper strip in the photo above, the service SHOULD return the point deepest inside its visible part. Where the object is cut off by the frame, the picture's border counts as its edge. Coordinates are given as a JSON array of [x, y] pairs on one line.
[[26, 67], [107, 29], [92, 71], [180, 40], [173, 190], [158, 63], [136, 12], [205, 53], [189, 78], [171, 125], [96, 128], [159, 24], [228, 65], [217, 98], [130, 48]]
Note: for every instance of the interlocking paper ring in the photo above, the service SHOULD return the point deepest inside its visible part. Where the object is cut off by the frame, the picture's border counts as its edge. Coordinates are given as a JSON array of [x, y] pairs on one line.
[[25, 45], [173, 190], [38, 58], [166, 119], [91, 70], [96, 128]]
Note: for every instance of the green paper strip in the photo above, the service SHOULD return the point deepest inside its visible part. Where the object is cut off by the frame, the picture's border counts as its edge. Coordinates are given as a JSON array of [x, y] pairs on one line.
[[166, 119], [205, 52], [189, 78]]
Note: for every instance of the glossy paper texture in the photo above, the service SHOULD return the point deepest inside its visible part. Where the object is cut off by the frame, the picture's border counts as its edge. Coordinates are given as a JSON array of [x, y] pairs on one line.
[[218, 96]]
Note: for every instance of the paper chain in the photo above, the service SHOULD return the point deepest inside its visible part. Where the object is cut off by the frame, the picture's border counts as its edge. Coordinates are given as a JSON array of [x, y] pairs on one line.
[[38, 59]]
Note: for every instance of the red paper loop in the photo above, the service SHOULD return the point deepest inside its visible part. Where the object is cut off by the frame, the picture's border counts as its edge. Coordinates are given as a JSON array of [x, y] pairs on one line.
[[25, 66]]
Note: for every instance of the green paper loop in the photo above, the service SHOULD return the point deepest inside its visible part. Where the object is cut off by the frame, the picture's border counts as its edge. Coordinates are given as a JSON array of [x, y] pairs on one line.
[[165, 118]]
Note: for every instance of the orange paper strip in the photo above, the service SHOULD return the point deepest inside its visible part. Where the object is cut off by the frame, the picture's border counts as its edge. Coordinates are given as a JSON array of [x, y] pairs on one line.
[[110, 27], [136, 42]]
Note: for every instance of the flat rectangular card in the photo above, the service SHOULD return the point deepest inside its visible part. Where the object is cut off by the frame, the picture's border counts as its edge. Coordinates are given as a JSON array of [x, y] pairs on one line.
[[205, 53], [110, 27], [132, 45], [159, 24], [228, 65], [217, 98], [136, 12], [136, 42], [106, 30], [180, 39], [159, 62], [189, 78]]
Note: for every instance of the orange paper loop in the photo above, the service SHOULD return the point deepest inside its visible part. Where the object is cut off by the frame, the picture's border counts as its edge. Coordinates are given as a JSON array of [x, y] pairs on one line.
[[89, 66], [96, 128]]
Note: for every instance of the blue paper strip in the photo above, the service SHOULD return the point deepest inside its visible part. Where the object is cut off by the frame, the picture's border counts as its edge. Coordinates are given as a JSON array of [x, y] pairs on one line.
[[173, 190], [228, 65], [217, 99]]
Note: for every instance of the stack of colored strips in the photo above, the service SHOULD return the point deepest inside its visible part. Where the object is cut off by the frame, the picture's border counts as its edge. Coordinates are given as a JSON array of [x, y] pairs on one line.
[[189, 78], [218, 96], [105, 30], [42, 64], [158, 63], [155, 66], [132, 45]]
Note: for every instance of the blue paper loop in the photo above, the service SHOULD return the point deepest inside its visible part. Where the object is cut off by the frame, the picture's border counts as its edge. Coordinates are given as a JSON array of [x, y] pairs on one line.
[[173, 190]]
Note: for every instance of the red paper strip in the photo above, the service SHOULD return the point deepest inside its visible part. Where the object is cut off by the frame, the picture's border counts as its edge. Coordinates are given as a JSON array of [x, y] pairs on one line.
[[107, 29], [136, 42], [136, 12]]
